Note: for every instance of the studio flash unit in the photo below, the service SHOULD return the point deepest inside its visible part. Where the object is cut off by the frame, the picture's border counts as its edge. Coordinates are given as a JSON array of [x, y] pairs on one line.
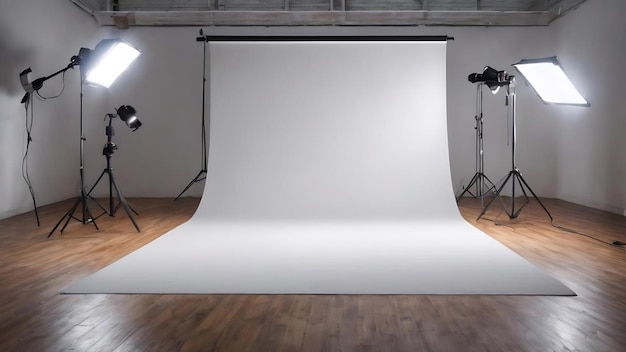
[[493, 78]]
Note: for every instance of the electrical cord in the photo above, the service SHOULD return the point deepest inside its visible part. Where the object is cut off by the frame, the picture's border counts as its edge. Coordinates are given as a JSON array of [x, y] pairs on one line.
[[562, 228], [43, 98], [28, 107], [29, 139], [613, 244]]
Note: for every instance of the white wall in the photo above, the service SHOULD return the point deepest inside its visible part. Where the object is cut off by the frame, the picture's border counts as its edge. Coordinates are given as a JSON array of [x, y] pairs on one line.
[[591, 148], [165, 86], [42, 35]]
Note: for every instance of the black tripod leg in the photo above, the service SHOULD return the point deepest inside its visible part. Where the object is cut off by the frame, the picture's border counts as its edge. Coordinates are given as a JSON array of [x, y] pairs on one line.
[[36, 213], [91, 190], [129, 207], [467, 189], [494, 198], [482, 179], [70, 214], [515, 213], [57, 225], [123, 202], [67, 214], [493, 185], [196, 179], [93, 220], [86, 210], [534, 195]]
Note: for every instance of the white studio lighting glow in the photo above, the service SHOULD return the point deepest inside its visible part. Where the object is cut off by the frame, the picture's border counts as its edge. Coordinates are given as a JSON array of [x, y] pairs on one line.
[[550, 82], [109, 61]]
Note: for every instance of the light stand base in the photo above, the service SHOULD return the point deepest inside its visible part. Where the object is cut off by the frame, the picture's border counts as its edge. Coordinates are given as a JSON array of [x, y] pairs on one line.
[[515, 176], [198, 178], [87, 215], [478, 180], [112, 210]]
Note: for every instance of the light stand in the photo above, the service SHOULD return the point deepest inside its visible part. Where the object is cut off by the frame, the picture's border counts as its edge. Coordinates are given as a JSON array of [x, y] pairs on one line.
[[203, 170], [479, 178], [99, 67], [108, 151], [87, 216], [515, 176]]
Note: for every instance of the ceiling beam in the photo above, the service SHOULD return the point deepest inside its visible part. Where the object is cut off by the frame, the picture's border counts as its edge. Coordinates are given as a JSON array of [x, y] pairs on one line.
[[328, 18], [562, 7]]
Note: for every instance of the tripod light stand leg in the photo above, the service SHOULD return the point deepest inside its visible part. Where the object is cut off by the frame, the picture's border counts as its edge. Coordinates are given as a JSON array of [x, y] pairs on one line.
[[93, 187], [36, 213], [467, 189], [196, 179], [70, 214], [129, 207], [534, 195], [493, 185], [476, 180], [93, 220], [123, 202], [482, 178], [497, 195], [515, 213], [86, 213]]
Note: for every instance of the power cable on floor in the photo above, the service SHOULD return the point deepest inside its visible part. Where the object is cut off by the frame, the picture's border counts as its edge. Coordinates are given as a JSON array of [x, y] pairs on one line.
[[613, 244]]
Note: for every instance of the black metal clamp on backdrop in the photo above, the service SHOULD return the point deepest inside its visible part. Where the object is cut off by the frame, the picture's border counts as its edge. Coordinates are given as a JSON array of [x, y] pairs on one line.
[[202, 37]]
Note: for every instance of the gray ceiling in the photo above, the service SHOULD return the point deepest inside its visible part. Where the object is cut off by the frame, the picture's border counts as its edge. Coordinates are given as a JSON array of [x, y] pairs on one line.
[[125, 13]]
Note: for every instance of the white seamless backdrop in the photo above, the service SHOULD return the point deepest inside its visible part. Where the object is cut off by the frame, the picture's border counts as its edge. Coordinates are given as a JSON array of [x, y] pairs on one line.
[[352, 130]]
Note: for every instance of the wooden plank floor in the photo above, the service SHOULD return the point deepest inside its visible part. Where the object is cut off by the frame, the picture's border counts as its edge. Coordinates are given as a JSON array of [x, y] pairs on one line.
[[35, 317]]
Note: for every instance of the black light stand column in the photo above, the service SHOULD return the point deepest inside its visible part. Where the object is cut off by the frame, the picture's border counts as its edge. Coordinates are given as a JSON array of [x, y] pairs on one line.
[[203, 171], [515, 176], [108, 151], [479, 178], [82, 199]]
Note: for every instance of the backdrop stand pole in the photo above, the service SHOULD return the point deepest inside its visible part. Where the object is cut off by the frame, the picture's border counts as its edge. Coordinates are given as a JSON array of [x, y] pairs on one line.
[[203, 171]]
